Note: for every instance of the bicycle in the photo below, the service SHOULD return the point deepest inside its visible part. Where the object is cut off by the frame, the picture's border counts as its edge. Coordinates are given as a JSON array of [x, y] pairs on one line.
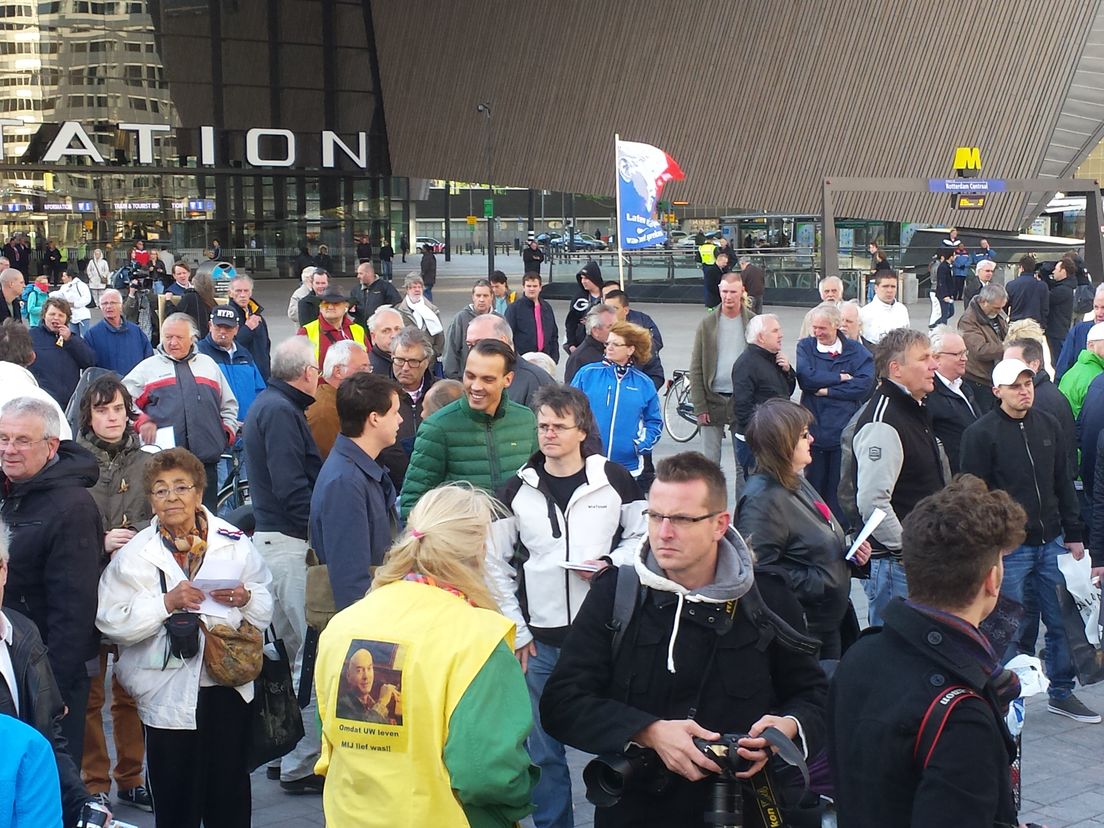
[[678, 412], [234, 491]]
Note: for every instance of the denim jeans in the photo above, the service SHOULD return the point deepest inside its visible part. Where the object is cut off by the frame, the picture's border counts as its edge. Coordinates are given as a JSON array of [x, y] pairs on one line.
[[887, 581], [823, 475], [744, 458], [553, 792], [712, 445], [1040, 565]]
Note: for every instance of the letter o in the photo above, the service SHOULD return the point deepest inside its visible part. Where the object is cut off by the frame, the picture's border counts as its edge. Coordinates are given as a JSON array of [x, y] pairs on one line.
[[252, 147]]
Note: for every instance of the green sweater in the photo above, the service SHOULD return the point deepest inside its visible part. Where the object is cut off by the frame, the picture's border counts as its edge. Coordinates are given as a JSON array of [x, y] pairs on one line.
[[1076, 381], [457, 443]]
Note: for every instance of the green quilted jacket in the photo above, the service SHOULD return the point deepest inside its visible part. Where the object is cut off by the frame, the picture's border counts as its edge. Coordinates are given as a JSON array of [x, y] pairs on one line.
[[457, 443]]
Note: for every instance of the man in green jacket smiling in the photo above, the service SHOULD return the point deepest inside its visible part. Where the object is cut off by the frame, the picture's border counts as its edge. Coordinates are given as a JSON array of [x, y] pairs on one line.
[[482, 437]]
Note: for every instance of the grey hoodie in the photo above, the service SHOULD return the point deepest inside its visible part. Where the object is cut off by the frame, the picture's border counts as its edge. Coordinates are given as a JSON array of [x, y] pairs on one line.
[[733, 579]]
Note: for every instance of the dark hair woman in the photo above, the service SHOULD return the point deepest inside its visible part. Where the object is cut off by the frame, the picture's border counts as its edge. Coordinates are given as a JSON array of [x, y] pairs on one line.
[[789, 525]]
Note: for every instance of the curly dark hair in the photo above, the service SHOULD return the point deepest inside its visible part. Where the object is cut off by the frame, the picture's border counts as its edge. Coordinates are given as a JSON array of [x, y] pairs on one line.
[[173, 459], [954, 537]]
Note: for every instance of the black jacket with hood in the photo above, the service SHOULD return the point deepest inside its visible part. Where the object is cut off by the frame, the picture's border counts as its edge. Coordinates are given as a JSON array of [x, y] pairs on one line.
[[574, 330], [683, 650], [56, 553]]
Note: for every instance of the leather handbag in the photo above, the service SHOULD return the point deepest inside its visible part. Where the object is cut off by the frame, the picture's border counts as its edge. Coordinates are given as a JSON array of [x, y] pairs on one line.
[[233, 657]]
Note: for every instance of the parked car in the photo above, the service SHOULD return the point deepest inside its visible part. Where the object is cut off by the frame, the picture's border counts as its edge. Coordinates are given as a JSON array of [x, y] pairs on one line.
[[436, 246], [582, 241]]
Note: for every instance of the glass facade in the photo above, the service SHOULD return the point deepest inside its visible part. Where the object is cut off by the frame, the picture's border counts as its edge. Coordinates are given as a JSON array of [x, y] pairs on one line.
[[255, 123]]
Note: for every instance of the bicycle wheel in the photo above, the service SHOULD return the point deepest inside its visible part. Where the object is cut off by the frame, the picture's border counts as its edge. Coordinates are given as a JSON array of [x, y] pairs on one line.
[[678, 412]]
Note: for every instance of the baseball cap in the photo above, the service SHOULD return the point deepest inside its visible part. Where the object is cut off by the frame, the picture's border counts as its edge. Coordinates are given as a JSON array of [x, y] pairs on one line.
[[225, 317], [332, 296], [1096, 332], [1009, 370]]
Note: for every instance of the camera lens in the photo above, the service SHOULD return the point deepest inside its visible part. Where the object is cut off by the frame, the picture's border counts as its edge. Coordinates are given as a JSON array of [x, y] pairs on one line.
[[605, 778]]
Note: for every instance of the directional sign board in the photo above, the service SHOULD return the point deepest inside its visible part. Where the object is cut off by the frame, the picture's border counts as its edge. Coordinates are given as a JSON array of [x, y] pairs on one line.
[[969, 202], [965, 185]]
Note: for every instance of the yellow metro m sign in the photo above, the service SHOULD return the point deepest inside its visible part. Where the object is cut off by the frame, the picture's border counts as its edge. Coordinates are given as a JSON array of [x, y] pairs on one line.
[[967, 161]]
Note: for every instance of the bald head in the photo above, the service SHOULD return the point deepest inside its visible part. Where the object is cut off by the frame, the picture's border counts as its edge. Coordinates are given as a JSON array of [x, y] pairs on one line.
[[11, 282], [489, 326]]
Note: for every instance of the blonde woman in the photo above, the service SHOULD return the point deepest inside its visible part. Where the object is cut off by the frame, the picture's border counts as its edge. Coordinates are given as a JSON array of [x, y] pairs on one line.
[[418, 680]]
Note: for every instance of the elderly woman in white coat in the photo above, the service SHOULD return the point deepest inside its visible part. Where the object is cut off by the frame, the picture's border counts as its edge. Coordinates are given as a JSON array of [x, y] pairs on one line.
[[197, 731]]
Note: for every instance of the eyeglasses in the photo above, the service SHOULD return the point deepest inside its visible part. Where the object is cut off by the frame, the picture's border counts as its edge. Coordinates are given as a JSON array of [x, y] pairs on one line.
[[956, 354], [19, 443], [611, 344], [315, 367], [180, 491], [805, 435], [554, 428], [678, 521], [402, 362]]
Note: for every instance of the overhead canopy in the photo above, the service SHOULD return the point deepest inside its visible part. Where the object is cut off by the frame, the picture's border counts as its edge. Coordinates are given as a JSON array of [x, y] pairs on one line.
[[757, 101]]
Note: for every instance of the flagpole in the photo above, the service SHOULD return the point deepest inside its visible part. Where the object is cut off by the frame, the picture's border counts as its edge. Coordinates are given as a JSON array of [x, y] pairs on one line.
[[617, 195]]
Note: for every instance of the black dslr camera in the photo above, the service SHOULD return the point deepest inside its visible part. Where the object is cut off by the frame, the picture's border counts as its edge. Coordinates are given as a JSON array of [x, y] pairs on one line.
[[611, 777]]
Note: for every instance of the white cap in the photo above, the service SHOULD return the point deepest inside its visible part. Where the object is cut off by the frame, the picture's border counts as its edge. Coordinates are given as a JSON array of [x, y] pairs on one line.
[[1096, 332], [1009, 370]]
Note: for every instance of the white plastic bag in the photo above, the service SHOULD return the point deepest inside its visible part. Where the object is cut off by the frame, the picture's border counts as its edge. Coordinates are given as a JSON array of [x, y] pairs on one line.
[[1086, 596]]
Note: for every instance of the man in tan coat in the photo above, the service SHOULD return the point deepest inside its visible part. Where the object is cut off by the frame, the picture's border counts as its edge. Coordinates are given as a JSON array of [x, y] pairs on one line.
[[342, 360], [983, 328]]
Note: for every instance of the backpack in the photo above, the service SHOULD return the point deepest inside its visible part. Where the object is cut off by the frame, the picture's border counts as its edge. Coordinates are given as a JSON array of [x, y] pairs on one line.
[[629, 594], [120, 279], [848, 481]]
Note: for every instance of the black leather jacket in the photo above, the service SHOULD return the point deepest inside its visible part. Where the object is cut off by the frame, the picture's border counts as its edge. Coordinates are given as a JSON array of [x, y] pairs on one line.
[[40, 706], [790, 536]]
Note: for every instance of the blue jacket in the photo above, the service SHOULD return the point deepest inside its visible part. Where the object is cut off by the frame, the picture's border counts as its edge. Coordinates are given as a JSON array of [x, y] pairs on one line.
[[961, 265], [240, 371], [627, 411], [58, 369], [817, 370], [282, 459], [353, 518], [653, 367], [118, 349], [1090, 422], [1076, 341], [981, 255], [30, 794]]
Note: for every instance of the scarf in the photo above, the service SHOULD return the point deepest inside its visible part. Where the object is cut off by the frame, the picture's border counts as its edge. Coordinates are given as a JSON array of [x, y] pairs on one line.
[[425, 317], [187, 549], [968, 639], [429, 580], [619, 370], [112, 449]]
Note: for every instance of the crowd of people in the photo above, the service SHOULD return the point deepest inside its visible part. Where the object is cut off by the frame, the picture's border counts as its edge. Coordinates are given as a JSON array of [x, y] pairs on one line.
[[470, 564]]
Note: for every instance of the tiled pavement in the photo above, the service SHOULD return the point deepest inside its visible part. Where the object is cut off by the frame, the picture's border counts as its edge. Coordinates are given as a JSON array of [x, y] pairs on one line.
[[1063, 761]]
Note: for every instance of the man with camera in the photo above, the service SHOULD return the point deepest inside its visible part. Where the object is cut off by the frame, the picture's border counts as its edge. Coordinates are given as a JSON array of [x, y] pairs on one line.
[[916, 712], [702, 647]]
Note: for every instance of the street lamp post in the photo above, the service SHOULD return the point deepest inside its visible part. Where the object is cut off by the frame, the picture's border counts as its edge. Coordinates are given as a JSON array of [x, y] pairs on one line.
[[485, 108]]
